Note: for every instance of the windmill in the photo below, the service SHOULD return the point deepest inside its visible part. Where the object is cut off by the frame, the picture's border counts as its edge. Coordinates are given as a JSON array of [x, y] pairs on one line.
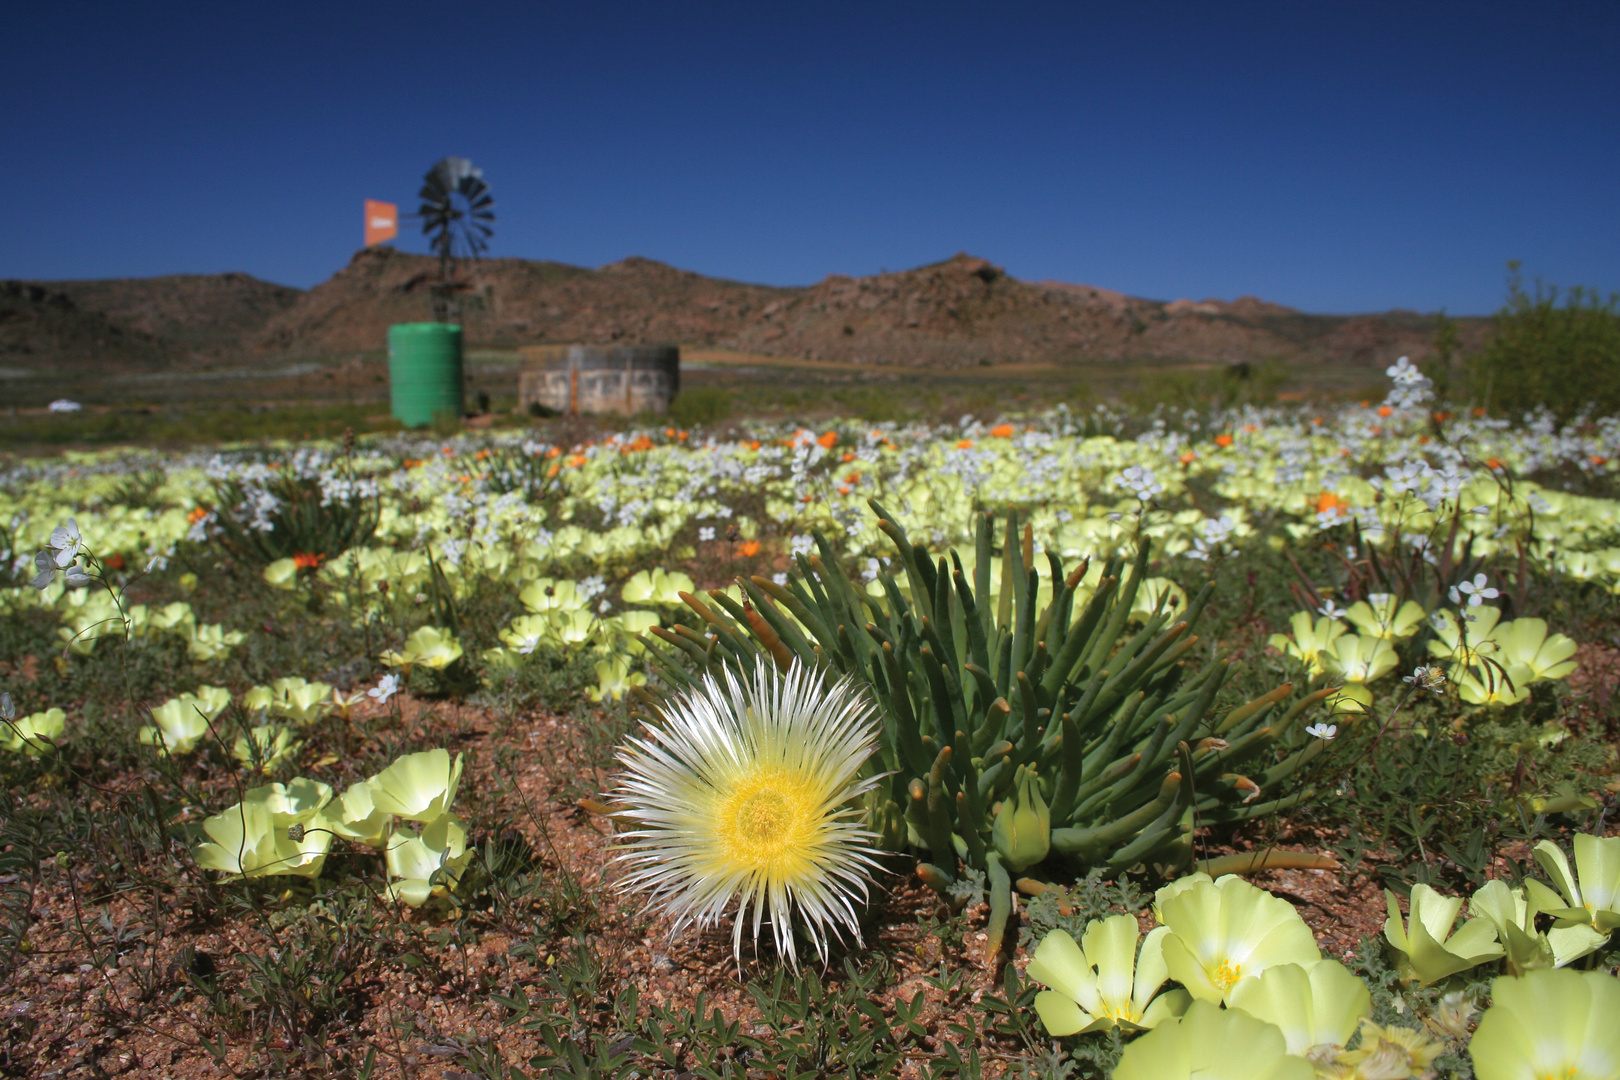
[[457, 215]]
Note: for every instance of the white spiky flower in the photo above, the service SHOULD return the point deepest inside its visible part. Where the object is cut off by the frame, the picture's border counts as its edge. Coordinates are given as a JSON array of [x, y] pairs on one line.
[[746, 794]]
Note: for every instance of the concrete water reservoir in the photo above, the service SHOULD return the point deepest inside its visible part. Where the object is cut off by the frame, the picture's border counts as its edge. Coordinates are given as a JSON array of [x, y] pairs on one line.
[[625, 379]]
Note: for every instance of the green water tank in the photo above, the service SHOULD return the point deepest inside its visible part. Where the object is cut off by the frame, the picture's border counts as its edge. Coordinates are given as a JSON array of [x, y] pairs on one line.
[[424, 372]]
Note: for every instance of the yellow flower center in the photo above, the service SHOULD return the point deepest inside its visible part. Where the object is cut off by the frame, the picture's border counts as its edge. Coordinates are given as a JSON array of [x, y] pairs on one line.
[[1226, 975], [761, 817], [767, 816]]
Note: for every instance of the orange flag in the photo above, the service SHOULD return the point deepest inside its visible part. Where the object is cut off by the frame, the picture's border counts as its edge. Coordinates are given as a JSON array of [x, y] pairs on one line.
[[382, 221]]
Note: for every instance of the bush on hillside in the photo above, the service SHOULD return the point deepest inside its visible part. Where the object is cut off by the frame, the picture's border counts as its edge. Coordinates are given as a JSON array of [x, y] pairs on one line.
[[1565, 356]]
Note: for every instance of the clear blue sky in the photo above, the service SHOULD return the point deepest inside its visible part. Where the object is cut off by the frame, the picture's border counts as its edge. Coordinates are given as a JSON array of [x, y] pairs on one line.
[[1334, 157]]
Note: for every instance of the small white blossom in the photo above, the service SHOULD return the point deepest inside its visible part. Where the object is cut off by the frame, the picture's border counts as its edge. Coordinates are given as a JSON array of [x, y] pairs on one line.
[[386, 688], [1476, 591], [1325, 732], [706, 533], [1332, 610], [1140, 481], [66, 541]]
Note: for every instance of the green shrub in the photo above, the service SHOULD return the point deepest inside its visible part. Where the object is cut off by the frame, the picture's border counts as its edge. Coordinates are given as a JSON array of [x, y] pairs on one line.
[[303, 521], [1565, 356], [704, 405], [1224, 387], [1015, 730], [875, 405]]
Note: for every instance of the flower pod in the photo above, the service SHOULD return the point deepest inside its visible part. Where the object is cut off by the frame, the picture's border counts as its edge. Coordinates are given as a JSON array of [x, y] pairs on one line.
[[1022, 832]]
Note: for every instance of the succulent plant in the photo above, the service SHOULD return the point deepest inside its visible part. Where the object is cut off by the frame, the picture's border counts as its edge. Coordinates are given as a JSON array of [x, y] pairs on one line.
[[1005, 719]]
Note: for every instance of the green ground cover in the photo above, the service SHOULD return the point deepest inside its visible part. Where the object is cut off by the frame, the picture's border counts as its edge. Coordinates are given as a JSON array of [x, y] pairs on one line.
[[340, 769]]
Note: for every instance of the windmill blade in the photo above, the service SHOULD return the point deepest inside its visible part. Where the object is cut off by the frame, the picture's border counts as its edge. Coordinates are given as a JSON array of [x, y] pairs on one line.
[[456, 211]]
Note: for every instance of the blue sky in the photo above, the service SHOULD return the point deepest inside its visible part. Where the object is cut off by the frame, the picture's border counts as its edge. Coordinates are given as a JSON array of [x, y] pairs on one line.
[[1334, 157]]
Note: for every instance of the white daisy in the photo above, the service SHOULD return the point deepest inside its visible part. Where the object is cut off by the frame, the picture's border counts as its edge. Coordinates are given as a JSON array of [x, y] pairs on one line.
[[746, 793]]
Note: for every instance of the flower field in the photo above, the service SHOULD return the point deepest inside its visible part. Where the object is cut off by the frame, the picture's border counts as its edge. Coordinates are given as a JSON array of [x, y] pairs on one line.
[[1271, 742]]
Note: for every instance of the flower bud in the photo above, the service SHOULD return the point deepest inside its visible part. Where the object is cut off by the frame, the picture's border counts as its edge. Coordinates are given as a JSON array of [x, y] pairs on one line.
[[1022, 832]]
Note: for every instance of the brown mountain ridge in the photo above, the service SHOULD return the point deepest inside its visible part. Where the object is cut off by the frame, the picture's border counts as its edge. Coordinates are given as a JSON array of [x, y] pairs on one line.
[[962, 311]]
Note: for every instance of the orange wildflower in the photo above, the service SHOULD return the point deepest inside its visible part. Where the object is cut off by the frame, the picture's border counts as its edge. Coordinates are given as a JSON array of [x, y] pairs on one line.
[[197, 514], [411, 463], [448, 452], [553, 471], [482, 455], [828, 440], [1385, 411], [1493, 463], [748, 548], [669, 433], [1316, 421], [1328, 501], [576, 460], [555, 451], [1250, 428], [308, 560], [753, 444], [1223, 439], [1441, 417], [1599, 459], [847, 458], [640, 443], [1479, 411], [115, 561], [965, 444], [1002, 431], [1188, 458], [1423, 440]]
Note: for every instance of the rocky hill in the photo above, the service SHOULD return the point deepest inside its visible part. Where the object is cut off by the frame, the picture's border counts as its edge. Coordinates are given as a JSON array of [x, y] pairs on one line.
[[182, 320], [963, 311]]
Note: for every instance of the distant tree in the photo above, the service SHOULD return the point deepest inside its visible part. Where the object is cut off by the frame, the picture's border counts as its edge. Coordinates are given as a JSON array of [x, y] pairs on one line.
[[1565, 356], [1442, 367]]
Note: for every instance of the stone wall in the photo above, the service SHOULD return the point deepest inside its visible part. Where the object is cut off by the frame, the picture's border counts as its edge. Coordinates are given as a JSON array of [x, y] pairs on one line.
[[600, 378]]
